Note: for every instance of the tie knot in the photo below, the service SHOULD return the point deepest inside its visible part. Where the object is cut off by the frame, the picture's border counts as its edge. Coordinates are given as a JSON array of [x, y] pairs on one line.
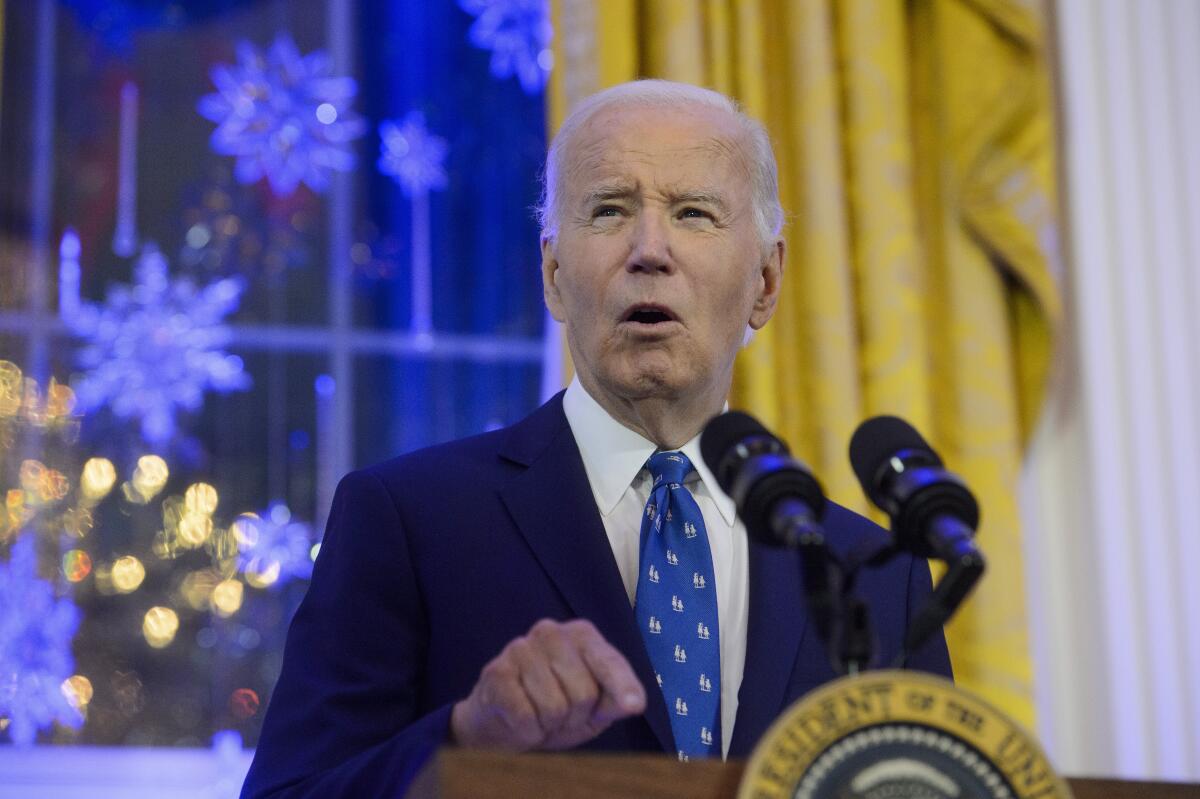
[[668, 467]]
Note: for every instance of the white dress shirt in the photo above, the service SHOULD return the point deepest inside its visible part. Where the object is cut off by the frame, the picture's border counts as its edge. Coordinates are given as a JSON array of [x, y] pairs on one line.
[[615, 457]]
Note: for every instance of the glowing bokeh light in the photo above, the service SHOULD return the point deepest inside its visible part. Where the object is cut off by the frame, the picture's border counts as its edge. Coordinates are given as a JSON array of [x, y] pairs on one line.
[[10, 388], [31, 474], [261, 572], [76, 522], [149, 477], [127, 574], [76, 565], [159, 626], [201, 498], [97, 480], [244, 703], [245, 531], [13, 513], [197, 587], [194, 529], [78, 691], [41, 483], [60, 401], [227, 598]]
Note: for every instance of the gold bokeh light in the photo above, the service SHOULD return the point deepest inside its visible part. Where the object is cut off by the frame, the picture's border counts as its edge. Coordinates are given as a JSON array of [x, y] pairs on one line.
[[127, 574], [193, 529], [200, 498], [148, 479], [78, 691], [197, 587], [159, 626], [227, 598], [98, 477], [10, 388]]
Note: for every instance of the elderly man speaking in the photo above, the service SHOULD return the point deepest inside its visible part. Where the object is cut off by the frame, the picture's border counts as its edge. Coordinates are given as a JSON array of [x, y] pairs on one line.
[[579, 579]]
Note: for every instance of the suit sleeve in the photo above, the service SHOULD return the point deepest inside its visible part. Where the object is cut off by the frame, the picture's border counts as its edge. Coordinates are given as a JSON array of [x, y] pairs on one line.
[[346, 717], [932, 656]]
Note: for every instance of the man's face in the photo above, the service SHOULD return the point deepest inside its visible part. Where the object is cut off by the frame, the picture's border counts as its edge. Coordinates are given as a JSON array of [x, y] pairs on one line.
[[658, 268]]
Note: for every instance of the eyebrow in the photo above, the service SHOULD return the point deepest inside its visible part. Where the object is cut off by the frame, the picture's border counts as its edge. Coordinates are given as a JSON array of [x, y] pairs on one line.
[[701, 197], [626, 192], [611, 192]]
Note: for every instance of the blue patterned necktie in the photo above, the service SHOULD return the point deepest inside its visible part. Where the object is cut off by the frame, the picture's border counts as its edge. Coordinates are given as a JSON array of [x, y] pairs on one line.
[[676, 607]]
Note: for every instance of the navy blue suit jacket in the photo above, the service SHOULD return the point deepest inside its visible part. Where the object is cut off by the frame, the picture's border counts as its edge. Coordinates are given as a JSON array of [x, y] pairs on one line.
[[434, 561]]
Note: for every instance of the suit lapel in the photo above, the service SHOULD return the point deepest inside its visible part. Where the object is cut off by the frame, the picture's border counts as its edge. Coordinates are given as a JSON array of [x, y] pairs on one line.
[[778, 618], [552, 505]]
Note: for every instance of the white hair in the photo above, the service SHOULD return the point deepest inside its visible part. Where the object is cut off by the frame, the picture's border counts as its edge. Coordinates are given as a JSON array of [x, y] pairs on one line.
[[665, 94]]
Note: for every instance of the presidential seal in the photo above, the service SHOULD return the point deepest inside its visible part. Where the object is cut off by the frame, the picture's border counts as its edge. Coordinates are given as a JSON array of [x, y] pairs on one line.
[[897, 735]]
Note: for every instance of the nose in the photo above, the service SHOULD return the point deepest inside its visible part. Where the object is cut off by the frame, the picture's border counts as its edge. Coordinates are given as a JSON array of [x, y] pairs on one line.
[[650, 249]]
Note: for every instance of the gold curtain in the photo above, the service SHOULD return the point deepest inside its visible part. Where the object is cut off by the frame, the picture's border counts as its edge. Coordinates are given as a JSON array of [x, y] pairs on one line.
[[915, 147]]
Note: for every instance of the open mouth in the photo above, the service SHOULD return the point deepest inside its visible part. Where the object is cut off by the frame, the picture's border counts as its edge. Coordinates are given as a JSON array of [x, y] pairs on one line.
[[649, 315]]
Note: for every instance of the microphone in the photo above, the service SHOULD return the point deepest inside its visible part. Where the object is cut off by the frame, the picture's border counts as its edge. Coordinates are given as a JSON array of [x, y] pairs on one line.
[[933, 513], [781, 503], [776, 495]]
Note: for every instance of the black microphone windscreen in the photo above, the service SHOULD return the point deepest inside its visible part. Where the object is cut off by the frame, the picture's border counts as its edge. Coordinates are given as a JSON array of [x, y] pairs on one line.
[[723, 433], [878, 439]]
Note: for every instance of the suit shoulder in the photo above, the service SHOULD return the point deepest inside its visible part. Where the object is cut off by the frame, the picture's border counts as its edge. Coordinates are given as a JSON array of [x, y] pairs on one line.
[[459, 452], [481, 456]]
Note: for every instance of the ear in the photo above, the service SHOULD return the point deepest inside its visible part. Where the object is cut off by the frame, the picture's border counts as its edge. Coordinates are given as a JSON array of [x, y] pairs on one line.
[[550, 280], [771, 282]]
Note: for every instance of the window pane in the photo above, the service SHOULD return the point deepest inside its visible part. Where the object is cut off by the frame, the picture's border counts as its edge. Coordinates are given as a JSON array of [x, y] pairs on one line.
[[236, 302]]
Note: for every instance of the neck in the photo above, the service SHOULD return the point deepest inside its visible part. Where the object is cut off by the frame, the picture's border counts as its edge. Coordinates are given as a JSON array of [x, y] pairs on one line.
[[668, 421]]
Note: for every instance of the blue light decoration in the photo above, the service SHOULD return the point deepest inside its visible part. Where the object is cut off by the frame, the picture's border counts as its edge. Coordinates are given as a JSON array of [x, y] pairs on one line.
[[155, 347], [518, 33], [412, 155], [274, 548], [36, 629], [283, 116]]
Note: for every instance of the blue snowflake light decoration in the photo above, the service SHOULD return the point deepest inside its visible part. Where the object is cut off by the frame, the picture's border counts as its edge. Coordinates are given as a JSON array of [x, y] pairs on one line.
[[274, 549], [283, 116], [155, 347], [518, 33], [36, 629], [411, 154]]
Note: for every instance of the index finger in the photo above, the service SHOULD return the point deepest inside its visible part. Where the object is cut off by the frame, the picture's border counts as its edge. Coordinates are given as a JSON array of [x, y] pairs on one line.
[[623, 693]]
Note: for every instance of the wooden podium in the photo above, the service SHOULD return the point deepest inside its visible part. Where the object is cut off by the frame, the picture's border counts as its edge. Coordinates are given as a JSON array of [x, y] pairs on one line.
[[469, 774]]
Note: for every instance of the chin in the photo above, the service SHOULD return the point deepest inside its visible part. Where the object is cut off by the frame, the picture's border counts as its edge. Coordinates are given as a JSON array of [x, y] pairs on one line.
[[646, 382]]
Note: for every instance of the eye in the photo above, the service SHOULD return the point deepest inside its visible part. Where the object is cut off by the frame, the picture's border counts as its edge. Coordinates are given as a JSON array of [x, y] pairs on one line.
[[691, 212], [606, 211]]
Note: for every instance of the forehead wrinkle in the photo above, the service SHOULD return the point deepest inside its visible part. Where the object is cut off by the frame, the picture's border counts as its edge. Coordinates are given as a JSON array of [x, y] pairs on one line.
[[599, 153]]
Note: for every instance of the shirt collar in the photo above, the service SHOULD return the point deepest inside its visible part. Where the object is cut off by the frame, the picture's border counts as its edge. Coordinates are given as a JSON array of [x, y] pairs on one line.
[[613, 454]]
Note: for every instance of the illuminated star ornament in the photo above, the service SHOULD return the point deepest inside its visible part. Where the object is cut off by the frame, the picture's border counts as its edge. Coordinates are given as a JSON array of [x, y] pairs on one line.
[[36, 629], [411, 154], [274, 549], [283, 116], [518, 33], [155, 347]]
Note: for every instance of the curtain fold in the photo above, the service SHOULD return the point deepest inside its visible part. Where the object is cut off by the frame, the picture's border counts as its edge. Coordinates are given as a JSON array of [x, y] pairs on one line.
[[914, 140]]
